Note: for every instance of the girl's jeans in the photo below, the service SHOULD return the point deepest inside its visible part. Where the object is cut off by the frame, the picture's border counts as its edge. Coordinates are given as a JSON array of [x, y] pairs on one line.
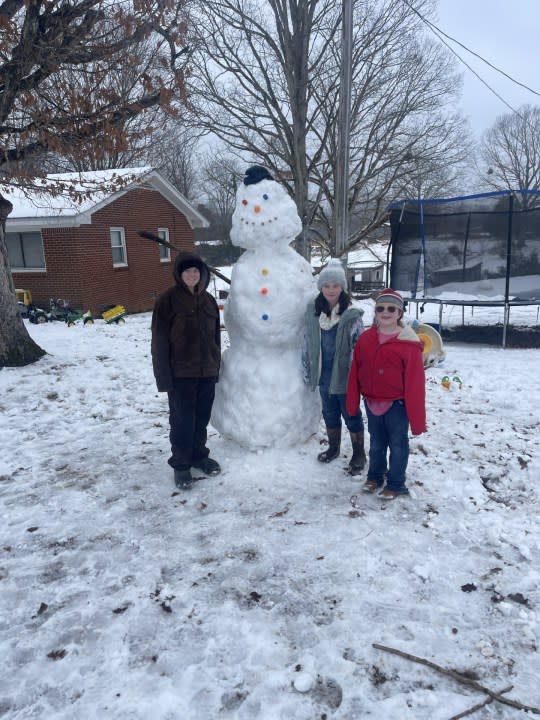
[[389, 432], [334, 408]]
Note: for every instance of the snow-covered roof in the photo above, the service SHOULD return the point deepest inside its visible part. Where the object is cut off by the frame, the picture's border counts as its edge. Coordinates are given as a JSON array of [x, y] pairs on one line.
[[85, 193], [370, 255]]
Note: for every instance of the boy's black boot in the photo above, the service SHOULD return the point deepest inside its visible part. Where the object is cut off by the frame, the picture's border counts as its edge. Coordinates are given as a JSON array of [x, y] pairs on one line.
[[183, 479], [358, 459], [208, 466], [334, 444]]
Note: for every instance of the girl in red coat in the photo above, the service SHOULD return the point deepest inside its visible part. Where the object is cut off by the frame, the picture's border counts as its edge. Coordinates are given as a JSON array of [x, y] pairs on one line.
[[388, 370]]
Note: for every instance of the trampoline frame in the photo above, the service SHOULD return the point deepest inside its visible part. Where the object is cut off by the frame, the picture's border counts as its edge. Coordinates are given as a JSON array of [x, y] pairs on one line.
[[508, 301]]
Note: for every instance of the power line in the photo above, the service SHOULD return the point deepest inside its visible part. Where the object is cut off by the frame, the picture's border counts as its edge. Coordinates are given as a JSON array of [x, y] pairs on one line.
[[484, 82], [483, 59], [440, 33], [437, 29]]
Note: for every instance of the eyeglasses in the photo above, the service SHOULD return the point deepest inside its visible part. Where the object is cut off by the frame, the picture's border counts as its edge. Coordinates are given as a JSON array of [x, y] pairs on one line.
[[386, 308]]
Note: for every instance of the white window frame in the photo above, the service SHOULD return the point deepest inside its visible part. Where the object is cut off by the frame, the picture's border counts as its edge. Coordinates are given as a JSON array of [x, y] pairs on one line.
[[164, 251], [122, 233]]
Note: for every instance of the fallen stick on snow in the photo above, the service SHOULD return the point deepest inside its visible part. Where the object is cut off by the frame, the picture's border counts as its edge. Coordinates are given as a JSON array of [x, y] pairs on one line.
[[460, 678], [479, 706]]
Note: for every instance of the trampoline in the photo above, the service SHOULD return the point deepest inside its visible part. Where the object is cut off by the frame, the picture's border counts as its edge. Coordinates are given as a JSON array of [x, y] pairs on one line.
[[471, 251]]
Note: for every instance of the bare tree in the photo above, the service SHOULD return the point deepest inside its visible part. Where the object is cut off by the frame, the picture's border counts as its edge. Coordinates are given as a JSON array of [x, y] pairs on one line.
[[443, 166], [220, 176], [175, 153], [269, 83], [510, 152], [253, 85], [43, 111], [138, 134], [401, 132]]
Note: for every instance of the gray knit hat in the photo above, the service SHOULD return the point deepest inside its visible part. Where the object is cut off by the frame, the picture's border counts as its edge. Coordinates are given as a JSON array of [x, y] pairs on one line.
[[332, 273]]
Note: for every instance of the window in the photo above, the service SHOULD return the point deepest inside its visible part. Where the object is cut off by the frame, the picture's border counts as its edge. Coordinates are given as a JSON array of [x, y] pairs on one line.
[[164, 252], [118, 245], [25, 251]]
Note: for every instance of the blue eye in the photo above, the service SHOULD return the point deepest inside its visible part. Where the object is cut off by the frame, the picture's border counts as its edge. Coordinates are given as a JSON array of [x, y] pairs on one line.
[[265, 196]]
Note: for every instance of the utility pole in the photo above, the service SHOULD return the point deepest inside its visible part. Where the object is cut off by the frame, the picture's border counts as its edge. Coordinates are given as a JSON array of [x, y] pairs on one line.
[[341, 199]]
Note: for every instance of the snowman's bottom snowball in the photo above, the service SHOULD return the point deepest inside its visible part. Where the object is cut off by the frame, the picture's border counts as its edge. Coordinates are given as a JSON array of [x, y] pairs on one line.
[[262, 400]]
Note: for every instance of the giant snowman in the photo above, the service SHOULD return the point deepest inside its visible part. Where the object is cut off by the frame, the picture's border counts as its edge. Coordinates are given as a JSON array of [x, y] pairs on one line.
[[261, 399]]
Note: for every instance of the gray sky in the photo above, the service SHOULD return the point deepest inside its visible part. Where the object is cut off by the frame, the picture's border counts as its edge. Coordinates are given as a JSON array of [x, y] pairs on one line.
[[505, 33]]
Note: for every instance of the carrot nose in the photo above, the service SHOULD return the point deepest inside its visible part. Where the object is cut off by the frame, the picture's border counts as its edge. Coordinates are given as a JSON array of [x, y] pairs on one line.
[[257, 209]]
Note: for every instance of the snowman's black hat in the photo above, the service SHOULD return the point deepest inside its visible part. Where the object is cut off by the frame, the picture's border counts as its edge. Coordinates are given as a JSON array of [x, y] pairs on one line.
[[255, 174]]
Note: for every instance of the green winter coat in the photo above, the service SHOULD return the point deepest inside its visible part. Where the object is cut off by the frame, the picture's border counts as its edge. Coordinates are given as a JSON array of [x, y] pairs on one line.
[[311, 355]]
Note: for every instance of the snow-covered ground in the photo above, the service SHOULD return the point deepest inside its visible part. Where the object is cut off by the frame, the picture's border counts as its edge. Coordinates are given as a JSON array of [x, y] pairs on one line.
[[260, 593]]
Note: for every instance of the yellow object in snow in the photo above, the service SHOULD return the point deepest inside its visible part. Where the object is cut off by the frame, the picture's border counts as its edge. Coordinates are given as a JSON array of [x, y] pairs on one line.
[[24, 297], [446, 382], [114, 314], [432, 346]]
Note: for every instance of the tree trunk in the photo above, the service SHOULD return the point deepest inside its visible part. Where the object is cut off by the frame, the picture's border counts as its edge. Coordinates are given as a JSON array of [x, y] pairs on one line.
[[302, 244], [16, 346]]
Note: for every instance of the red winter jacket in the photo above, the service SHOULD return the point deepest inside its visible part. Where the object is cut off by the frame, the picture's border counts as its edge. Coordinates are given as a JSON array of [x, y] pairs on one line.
[[391, 371]]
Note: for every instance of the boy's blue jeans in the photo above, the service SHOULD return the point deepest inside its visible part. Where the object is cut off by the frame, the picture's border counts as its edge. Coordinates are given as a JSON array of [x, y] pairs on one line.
[[389, 432]]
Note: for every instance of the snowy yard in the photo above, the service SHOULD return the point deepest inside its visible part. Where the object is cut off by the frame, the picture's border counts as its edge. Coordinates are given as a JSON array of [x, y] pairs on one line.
[[260, 593]]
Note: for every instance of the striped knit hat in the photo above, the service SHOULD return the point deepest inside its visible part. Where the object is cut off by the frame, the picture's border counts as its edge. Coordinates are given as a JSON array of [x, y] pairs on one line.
[[391, 297]]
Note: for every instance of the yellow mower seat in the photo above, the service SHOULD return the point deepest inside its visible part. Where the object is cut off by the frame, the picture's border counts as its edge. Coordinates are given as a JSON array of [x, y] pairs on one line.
[[433, 351]]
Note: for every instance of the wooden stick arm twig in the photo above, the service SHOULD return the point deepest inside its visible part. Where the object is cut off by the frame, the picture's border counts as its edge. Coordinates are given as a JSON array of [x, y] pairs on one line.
[[155, 238]]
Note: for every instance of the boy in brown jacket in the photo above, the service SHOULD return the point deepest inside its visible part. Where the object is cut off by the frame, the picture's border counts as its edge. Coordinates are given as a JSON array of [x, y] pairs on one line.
[[186, 355]]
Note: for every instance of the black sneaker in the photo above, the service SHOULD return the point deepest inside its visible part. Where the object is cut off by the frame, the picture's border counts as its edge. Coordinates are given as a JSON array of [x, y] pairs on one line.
[[183, 479], [208, 466]]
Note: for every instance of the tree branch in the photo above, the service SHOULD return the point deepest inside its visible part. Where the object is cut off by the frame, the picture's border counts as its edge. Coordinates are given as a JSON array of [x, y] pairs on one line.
[[478, 706], [463, 679]]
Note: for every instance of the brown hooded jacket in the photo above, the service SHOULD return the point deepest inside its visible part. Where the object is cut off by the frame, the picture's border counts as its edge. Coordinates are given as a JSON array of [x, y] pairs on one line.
[[186, 337]]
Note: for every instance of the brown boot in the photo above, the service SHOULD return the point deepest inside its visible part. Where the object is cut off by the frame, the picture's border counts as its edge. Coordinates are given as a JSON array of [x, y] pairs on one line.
[[358, 459], [334, 443]]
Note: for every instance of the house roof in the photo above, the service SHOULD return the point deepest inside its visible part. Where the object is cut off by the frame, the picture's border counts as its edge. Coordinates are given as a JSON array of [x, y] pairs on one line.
[[85, 193], [369, 256]]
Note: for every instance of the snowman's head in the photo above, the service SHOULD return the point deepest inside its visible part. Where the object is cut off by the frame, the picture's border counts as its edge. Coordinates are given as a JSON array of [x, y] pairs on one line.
[[265, 215]]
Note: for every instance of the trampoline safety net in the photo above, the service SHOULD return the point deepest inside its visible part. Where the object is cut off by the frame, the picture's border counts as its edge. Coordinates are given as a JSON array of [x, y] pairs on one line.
[[485, 246]]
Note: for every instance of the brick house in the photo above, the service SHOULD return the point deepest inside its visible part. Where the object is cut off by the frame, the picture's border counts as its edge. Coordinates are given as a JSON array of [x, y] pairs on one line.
[[89, 252]]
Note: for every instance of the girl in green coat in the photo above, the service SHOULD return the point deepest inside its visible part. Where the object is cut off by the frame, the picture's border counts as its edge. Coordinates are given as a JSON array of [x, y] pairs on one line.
[[331, 330]]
